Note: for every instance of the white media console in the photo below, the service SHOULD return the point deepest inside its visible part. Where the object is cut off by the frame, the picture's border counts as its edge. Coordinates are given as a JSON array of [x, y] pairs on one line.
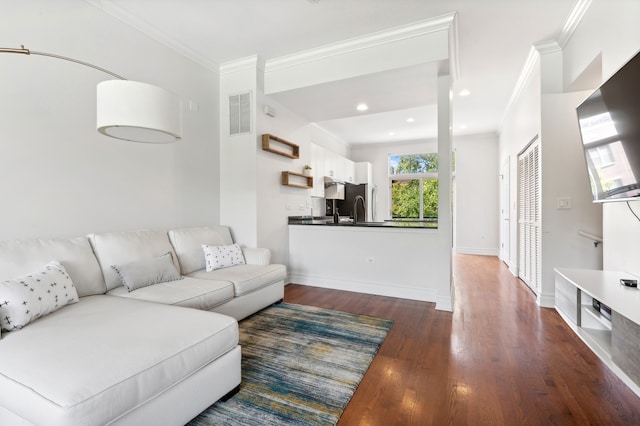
[[616, 340]]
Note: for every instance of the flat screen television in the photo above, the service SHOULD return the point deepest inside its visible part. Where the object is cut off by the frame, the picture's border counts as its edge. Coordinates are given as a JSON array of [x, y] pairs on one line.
[[609, 122]]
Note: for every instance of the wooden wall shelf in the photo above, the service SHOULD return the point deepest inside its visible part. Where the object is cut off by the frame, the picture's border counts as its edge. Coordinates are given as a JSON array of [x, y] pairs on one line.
[[280, 146], [293, 179]]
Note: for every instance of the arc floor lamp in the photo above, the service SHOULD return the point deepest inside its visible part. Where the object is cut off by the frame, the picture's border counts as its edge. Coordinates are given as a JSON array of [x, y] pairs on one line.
[[129, 110]]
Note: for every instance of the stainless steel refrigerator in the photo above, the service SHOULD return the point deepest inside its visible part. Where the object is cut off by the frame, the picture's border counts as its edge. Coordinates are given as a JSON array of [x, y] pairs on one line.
[[351, 191]]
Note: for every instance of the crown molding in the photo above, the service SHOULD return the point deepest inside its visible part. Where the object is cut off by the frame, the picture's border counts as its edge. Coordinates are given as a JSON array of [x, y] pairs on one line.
[[529, 67], [153, 32], [395, 34], [546, 47], [252, 62], [453, 49], [572, 22], [403, 32]]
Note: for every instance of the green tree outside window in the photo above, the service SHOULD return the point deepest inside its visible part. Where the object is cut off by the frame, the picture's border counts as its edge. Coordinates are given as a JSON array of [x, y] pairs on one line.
[[416, 195]]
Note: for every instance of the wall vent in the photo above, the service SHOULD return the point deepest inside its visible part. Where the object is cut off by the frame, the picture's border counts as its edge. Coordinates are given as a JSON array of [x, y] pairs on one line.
[[240, 113]]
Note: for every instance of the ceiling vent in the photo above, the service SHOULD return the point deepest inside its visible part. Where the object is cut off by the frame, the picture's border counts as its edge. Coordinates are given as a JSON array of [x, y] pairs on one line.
[[240, 113]]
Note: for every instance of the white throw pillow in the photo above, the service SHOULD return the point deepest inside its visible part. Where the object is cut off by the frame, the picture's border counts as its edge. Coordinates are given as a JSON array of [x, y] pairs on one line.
[[25, 299], [218, 257], [146, 272]]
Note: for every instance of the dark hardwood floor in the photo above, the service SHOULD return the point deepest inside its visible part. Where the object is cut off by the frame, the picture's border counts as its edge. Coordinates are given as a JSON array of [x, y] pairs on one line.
[[498, 359]]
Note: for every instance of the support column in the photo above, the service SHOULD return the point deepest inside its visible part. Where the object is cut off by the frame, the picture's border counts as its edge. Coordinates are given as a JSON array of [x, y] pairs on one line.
[[238, 158], [444, 298]]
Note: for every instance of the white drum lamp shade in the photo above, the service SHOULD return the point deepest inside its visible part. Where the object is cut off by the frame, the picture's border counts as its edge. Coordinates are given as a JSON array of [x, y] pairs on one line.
[[138, 112]]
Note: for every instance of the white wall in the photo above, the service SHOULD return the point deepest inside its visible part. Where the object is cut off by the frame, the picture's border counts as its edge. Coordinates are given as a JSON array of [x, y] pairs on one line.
[[60, 177], [564, 175], [543, 110], [328, 140], [610, 31], [521, 125], [477, 194], [621, 235], [551, 117], [275, 201]]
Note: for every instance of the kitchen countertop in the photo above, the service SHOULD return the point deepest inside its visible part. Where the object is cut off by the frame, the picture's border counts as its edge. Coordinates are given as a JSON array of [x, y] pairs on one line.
[[347, 222]]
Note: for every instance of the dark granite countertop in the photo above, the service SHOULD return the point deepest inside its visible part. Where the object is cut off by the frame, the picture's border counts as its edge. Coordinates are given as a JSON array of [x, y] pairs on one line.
[[347, 222]]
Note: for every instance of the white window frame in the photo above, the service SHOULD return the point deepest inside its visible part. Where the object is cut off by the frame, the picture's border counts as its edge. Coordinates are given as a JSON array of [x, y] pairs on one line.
[[421, 177]]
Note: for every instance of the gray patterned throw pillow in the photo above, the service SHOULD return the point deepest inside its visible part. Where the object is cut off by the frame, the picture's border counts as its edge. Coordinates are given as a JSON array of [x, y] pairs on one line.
[[218, 257], [32, 296]]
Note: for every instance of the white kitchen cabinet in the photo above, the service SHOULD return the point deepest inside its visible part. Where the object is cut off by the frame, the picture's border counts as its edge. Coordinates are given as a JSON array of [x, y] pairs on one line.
[[327, 163], [317, 169], [346, 170], [364, 173], [330, 164]]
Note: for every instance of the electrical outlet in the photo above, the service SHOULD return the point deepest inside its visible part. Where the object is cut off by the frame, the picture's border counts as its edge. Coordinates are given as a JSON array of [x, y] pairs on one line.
[[300, 206], [288, 206], [564, 203]]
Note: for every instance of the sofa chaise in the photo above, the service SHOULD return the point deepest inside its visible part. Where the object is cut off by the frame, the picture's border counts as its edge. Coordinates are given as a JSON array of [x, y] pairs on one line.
[[107, 354]]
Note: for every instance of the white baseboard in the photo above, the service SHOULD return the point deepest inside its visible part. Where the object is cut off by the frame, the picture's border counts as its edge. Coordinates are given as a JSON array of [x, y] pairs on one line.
[[444, 304], [380, 289], [546, 300], [513, 268], [477, 251]]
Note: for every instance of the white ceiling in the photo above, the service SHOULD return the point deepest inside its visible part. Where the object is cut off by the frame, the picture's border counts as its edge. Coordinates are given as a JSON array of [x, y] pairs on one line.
[[494, 41]]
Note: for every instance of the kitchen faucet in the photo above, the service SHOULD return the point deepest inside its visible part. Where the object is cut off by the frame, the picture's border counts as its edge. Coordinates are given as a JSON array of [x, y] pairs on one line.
[[355, 208]]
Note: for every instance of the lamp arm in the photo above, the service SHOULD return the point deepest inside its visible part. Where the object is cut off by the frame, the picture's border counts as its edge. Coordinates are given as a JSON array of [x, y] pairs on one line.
[[129, 110], [24, 51]]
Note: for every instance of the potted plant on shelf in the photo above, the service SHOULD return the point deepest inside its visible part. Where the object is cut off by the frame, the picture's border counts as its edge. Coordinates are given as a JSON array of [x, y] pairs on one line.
[[306, 170]]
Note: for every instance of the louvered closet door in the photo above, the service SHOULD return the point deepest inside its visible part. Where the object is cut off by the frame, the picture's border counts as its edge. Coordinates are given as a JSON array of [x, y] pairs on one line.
[[529, 216]]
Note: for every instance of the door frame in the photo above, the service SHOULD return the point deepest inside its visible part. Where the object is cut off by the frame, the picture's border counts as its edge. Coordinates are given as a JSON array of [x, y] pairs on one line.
[[505, 211]]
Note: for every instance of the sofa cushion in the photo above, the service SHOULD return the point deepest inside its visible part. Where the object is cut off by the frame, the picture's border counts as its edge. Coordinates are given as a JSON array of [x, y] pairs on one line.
[[146, 272], [188, 242], [246, 278], [21, 257], [187, 292], [122, 247], [147, 347], [256, 255], [218, 257], [27, 298]]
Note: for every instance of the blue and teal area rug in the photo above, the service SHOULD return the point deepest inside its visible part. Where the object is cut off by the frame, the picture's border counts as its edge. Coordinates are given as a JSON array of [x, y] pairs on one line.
[[300, 366]]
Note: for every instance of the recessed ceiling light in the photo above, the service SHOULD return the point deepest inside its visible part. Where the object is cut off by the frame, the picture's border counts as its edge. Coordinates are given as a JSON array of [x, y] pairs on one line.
[[410, 120], [391, 133], [362, 107], [464, 92], [463, 126]]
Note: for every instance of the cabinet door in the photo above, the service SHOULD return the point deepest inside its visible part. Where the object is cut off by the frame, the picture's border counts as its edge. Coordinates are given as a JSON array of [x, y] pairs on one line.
[[364, 173], [317, 164], [330, 164], [348, 170]]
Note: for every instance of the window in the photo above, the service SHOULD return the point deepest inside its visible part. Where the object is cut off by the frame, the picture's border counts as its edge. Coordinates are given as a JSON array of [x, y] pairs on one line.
[[413, 181], [602, 156]]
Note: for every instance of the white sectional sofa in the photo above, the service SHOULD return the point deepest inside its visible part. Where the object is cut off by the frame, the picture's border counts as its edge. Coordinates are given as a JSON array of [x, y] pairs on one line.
[[159, 354]]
